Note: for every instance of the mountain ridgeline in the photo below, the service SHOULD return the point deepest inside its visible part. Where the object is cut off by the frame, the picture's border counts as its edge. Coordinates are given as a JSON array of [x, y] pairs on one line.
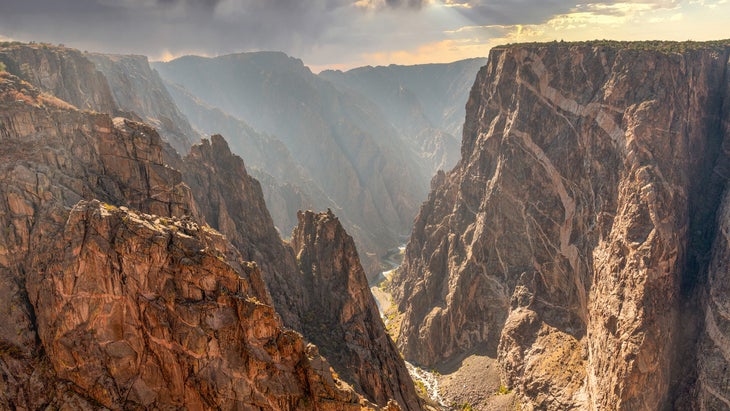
[[578, 241], [133, 277], [425, 103]]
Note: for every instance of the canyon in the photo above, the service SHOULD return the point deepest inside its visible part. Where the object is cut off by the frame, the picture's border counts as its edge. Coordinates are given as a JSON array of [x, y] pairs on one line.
[[575, 255]]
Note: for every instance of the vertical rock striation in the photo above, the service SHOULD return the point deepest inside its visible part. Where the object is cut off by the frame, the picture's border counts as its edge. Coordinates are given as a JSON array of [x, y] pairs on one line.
[[576, 223]]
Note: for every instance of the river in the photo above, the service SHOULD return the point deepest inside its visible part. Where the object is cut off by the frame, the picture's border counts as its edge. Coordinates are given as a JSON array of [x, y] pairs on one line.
[[384, 301]]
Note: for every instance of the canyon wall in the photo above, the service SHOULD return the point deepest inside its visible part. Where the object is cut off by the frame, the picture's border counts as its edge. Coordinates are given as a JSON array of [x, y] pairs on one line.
[[572, 239], [138, 89], [117, 291], [424, 102]]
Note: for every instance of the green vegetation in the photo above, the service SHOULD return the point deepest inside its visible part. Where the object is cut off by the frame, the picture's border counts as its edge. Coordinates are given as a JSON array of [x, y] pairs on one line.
[[463, 407], [651, 45], [384, 285], [503, 390], [3, 67], [421, 388], [9, 43]]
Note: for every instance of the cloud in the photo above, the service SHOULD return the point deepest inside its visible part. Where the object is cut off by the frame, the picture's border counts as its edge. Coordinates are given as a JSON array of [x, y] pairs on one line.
[[349, 32], [444, 51], [378, 5]]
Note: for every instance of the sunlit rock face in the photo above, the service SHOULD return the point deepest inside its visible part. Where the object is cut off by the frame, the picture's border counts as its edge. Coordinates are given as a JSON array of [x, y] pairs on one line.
[[572, 240], [117, 292]]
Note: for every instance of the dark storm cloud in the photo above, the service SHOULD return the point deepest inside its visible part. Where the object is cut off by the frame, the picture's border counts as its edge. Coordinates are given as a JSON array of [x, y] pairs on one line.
[[507, 12], [415, 4], [342, 28], [149, 26], [512, 11]]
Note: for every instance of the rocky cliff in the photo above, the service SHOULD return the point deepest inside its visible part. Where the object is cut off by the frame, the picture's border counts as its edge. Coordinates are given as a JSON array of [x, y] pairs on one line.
[[139, 89], [341, 323], [62, 72], [138, 310], [232, 202], [117, 85], [572, 239], [317, 284], [115, 291]]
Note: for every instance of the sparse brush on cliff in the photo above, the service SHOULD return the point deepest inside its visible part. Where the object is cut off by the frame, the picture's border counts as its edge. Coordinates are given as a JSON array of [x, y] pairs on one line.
[[649, 45]]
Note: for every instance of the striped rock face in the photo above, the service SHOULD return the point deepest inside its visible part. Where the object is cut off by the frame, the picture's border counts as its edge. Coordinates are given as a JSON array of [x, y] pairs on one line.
[[572, 240]]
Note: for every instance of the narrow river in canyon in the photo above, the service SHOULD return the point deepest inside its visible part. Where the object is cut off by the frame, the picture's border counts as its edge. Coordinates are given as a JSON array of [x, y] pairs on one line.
[[423, 378]]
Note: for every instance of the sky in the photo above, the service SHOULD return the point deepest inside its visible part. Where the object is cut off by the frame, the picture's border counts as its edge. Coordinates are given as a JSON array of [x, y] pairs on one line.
[[344, 34]]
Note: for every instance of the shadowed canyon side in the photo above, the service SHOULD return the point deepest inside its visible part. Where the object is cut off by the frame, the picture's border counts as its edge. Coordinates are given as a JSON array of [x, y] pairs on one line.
[[572, 240], [287, 186], [424, 102], [138, 89], [317, 285], [340, 313], [342, 141], [151, 297]]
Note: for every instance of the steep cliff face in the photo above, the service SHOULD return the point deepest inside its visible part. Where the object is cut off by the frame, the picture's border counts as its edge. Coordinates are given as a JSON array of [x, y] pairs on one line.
[[121, 307], [340, 315], [116, 85], [62, 72], [713, 390], [138, 89], [576, 224], [137, 310], [317, 285], [53, 156], [232, 203]]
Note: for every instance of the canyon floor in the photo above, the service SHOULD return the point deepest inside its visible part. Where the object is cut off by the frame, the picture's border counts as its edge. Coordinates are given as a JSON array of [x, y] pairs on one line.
[[471, 382]]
